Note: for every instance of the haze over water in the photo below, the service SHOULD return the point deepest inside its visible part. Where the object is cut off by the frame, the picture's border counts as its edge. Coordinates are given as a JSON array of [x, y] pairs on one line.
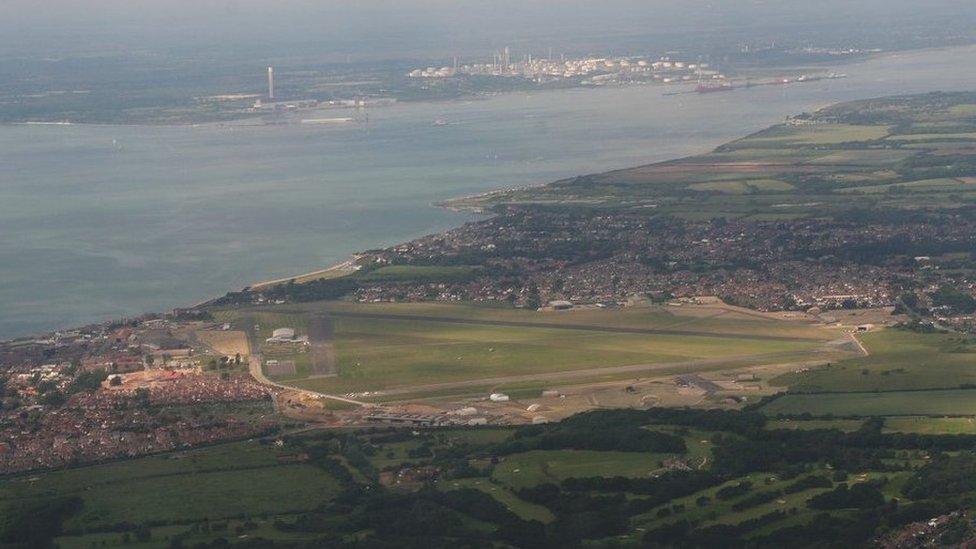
[[100, 221]]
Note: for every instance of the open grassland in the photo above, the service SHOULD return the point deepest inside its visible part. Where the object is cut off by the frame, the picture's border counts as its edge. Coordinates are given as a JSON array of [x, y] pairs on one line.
[[940, 184], [743, 484], [522, 508], [720, 511], [899, 360], [823, 134], [742, 187], [954, 402], [260, 323], [708, 320], [162, 537], [968, 136], [931, 425], [846, 425], [404, 346], [541, 466], [230, 480]]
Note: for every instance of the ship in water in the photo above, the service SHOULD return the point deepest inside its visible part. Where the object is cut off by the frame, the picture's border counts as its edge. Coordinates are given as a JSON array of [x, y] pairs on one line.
[[713, 87], [717, 84]]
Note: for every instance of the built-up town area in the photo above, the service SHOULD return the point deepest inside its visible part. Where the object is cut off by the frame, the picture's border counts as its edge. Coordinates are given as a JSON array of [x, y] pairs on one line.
[[593, 70], [153, 384], [166, 382], [535, 256], [121, 390]]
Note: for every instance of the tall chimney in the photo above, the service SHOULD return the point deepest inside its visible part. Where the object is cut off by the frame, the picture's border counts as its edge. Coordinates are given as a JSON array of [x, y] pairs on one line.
[[271, 83]]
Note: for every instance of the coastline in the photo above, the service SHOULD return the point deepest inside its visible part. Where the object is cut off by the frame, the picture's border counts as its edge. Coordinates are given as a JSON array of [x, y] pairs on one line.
[[255, 120], [452, 204]]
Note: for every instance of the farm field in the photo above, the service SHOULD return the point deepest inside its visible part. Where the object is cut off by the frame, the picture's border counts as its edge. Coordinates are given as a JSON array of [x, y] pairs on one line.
[[828, 163], [220, 482], [408, 348], [931, 425], [554, 492], [953, 402], [846, 425]]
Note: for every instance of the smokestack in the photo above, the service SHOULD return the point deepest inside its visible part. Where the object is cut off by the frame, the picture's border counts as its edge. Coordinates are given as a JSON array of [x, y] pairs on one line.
[[271, 83]]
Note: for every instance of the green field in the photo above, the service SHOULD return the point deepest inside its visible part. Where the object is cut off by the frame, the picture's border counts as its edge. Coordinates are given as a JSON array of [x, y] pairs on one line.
[[226, 481], [492, 480], [932, 425], [954, 402], [825, 134], [899, 360], [400, 346], [537, 467], [846, 425], [520, 507], [826, 164], [742, 187]]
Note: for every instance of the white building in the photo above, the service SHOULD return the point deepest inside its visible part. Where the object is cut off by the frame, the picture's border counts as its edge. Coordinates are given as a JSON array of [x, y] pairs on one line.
[[286, 335]]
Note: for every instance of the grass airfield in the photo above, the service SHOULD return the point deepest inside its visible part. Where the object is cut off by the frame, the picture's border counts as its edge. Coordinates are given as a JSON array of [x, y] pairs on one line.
[[418, 350]]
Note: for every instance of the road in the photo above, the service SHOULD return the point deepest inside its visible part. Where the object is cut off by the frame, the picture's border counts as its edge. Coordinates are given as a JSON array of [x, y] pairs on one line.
[[254, 367]]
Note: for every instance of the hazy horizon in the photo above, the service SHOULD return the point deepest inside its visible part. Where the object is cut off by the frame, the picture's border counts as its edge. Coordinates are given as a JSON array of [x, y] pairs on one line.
[[395, 29]]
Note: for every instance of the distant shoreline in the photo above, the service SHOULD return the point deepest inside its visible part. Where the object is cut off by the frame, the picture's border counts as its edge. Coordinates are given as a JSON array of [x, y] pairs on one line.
[[247, 120]]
